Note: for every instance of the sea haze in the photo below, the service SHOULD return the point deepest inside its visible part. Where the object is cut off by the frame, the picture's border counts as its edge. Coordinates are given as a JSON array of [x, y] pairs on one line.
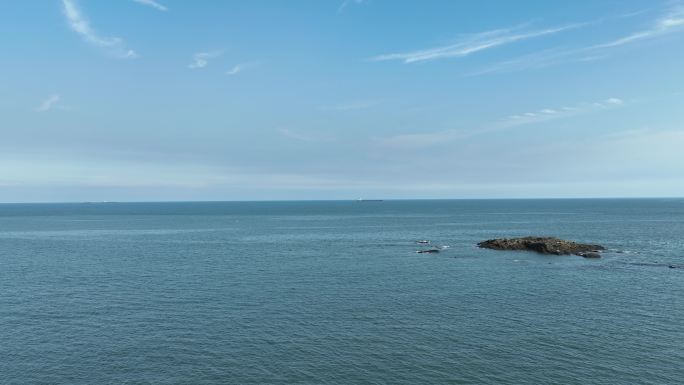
[[333, 292]]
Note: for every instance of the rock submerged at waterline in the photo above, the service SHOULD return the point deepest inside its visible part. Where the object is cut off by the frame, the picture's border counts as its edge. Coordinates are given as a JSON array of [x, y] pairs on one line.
[[544, 245], [590, 254]]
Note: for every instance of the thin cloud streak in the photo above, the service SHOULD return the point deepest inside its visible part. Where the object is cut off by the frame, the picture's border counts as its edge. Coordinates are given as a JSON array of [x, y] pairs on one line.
[[114, 46], [417, 141], [537, 60], [671, 22], [346, 3], [241, 67], [546, 114], [304, 137], [423, 140], [356, 105], [201, 59], [48, 103], [235, 70], [153, 4], [472, 44]]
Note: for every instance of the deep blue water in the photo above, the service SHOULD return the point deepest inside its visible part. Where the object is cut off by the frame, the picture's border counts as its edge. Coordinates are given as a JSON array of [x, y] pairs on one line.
[[334, 293]]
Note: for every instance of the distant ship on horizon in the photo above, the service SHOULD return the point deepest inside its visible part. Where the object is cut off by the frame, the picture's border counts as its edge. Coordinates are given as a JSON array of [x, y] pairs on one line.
[[369, 200]]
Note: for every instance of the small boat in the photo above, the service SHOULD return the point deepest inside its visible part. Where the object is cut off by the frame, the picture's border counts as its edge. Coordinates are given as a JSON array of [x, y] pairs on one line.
[[423, 242], [428, 251]]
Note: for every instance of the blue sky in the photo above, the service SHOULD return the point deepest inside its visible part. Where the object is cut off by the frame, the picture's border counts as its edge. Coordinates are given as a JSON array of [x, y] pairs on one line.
[[248, 100]]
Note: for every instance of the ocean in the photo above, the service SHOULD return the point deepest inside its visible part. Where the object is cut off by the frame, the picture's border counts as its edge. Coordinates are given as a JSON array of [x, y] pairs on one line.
[[333, 292]]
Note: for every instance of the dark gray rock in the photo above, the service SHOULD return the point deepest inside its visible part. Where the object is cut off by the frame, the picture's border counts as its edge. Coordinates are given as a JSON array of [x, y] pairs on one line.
[[544, 245]]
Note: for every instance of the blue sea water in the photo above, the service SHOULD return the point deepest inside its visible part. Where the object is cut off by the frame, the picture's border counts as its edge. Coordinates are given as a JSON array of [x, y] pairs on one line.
[[334, 293]]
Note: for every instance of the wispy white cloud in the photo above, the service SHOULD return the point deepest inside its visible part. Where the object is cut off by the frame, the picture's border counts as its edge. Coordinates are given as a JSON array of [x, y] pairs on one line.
[[592, 58], [153, 4], [48, 103], [536, 60], [114, 46], [473, 43], [304, 137], [671, 22], [420, 140], [350, 106], [546, 114], [346, 3], [429, 139], [201, 59], [235, 70], [241, 67]]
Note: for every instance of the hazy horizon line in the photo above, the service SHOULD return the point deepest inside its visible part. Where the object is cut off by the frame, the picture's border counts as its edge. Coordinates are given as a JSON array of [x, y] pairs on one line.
[[346, 200]]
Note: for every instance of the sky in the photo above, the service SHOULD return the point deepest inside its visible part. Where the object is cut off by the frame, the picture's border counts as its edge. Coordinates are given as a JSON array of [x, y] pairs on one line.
[[163, 100]]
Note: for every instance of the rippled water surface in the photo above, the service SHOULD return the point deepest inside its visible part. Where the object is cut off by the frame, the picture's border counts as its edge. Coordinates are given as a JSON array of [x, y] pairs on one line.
[[334, 293]]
